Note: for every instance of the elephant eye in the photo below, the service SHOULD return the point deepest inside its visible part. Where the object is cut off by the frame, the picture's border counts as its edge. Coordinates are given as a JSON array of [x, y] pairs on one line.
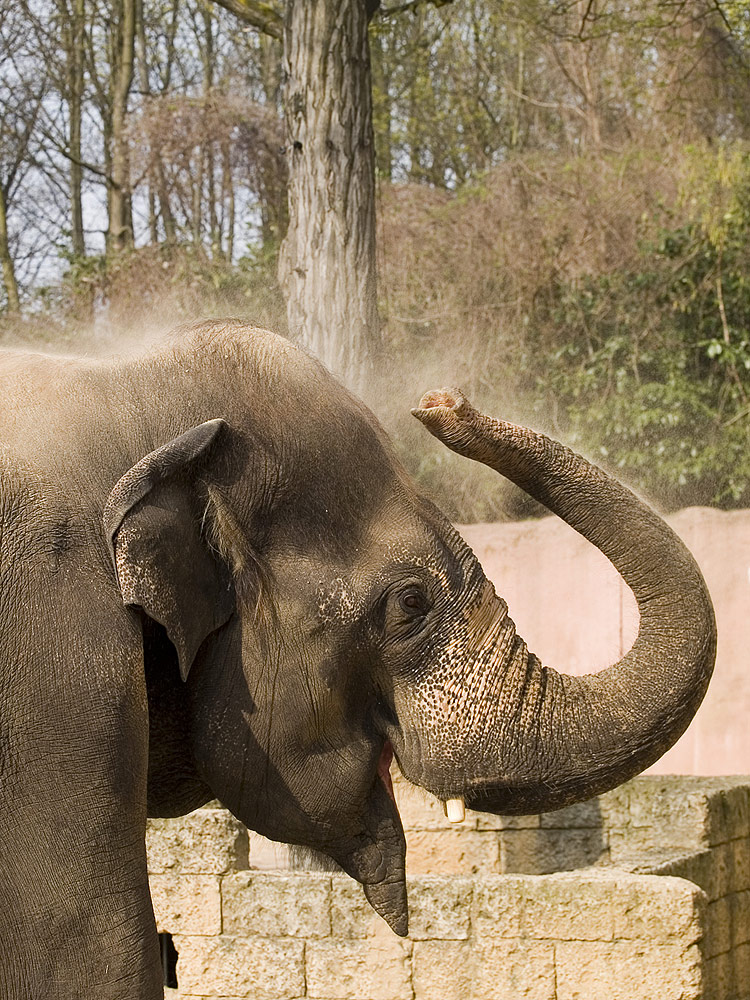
[[413, 602], [402, 610]]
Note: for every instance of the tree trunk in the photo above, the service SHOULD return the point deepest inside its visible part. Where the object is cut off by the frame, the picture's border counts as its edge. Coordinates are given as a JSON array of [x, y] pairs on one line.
[[167, 218], [75, 101], [327, 267], [162, 187], [208, 58], [119, 234], [228, 197], [145, 85], [6, 260], [382, 113], [197, 197]]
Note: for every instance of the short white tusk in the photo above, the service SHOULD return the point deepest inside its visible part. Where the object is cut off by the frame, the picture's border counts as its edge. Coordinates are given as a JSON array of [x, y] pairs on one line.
[[455, 810]]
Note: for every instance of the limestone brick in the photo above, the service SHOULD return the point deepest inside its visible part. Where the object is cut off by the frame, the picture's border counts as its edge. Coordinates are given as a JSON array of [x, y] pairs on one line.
[[614, 807], [186, 904], [718, 936], [633, 840], [741, 874], [497, 906], [624, 843], [442, 970], [452, 852], [486, 821], [659, 909], [571, 907], [623, 970], [492, 970], [727, 874], [511, 970], [740, 903], [581, 815], [700, 868], [728, 814], [252, 968], [682, 817], [207, 841], [719, 977], [440, 907], [741, 962], [278, 905], [359, 970]]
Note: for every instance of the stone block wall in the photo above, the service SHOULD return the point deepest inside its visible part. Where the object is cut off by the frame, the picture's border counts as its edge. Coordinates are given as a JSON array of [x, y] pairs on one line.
[[656, 905]]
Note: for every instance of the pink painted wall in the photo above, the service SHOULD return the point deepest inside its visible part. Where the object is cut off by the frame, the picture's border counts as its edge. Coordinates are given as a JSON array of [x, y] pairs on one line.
[[575, 613]]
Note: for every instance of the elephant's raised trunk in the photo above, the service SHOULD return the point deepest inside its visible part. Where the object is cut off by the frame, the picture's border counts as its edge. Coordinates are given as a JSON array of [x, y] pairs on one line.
[[578, 736]]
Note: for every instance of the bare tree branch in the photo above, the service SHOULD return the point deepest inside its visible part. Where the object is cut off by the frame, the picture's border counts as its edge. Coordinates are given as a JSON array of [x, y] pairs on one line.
[[260, 15], [411, 5]]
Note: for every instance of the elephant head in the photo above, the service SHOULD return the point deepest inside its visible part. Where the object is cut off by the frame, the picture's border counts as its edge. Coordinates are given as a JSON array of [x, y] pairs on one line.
[[308, 614]]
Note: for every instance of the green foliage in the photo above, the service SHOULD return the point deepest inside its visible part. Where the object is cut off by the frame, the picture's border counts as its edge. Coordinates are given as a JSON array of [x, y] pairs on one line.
[[655, 371]]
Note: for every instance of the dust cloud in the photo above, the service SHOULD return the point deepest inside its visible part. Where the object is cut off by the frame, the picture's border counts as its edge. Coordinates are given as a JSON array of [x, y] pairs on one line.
[[391, 386]]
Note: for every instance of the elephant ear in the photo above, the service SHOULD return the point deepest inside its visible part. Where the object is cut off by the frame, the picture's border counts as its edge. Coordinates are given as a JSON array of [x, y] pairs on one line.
[[163, 564]]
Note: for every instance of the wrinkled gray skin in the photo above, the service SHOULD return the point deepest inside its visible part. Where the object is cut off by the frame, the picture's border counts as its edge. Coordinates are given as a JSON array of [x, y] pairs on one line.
[[285, 608]]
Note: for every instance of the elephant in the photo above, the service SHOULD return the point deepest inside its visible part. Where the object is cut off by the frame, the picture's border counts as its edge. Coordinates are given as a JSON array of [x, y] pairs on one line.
[[218, 581]]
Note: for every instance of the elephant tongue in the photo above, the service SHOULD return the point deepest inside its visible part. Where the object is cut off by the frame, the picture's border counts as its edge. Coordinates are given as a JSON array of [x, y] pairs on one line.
[[377, 857]]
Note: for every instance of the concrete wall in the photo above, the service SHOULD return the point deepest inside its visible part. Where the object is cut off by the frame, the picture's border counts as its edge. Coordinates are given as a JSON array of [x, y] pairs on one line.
[[643, 922], [575, 613]]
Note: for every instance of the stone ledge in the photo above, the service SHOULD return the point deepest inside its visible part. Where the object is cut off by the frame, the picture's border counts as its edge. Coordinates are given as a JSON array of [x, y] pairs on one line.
[[647, 921]]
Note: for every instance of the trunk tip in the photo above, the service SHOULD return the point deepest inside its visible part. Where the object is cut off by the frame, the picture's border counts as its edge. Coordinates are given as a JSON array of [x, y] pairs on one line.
[[438, 397], [440, 409]]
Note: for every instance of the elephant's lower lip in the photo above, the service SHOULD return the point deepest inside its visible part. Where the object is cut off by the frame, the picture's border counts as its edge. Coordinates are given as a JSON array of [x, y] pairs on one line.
[[384, 768]]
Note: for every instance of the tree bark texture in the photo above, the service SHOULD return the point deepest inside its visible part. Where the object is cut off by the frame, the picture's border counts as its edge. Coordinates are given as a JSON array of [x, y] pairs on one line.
[[119, 233], [141, 44], [6, 259], [260, 15], [327, 265], [74, 56]]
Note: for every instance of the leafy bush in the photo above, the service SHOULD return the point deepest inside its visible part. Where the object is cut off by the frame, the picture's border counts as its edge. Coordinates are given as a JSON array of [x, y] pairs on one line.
[[659, 384]]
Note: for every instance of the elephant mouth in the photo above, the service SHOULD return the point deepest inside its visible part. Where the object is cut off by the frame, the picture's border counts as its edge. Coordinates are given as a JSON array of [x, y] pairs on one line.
[[454, 807], [377, 857]]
